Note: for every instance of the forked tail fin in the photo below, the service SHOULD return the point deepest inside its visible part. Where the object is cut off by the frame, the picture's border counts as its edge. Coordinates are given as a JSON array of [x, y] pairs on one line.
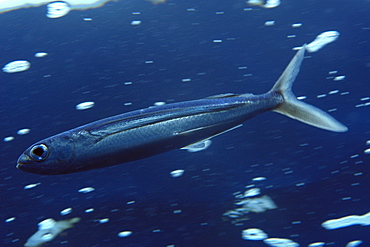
[[299, 110]]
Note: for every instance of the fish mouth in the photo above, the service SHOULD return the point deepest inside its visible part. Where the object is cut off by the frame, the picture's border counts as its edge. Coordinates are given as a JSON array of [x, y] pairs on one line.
[[22, 162]]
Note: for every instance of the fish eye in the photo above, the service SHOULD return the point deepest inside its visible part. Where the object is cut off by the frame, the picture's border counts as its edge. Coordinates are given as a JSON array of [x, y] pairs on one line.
[[39, 152]]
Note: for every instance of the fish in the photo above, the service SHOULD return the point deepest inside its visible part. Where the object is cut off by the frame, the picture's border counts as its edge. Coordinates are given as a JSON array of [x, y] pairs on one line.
[[154, 130]]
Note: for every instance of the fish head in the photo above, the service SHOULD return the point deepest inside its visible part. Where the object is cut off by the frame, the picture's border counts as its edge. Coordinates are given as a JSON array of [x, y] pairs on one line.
[[50, 156]]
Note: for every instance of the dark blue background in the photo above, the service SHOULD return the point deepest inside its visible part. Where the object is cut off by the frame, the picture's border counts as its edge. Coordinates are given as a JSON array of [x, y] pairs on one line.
[[91, 61]]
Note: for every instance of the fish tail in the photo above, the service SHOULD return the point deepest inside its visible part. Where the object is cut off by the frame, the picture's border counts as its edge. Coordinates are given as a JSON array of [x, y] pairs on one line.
[[299, 110]]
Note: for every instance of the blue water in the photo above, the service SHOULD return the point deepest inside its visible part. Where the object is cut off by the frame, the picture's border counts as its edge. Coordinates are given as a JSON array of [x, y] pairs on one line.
[[92, 60]]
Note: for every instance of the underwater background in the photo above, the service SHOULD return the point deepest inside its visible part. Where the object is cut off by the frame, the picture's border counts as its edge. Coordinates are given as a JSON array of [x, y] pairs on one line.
[[184, 50]]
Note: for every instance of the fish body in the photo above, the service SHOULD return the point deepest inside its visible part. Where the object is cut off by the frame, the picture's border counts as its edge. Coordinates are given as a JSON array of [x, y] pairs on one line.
[[143, 133]]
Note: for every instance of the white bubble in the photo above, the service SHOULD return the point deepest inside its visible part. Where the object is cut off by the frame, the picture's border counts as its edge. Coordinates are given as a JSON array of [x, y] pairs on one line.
[[88, 19], [177, 173], [354, 243], [271, 4], [159, 103], [280, 242], [85, 105], [186, 80], [105, 220], [259, 179], [297, 25], [124, 234], [66, 211], [135, 23], [317, 244], [89, 210], [350, 220], [8, 139], [57, 9], [269, 23], [217, 41], [253, 234], [322, 40], [86, 190], [30, 186], [17, 66], [339, 78], [40, 54], [23, 131], [10, 219]]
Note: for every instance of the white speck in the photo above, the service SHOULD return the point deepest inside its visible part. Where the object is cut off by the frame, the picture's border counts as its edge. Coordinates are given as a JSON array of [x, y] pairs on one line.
[[66, 211], [135, 23], [40, 54], [296, 25], [334, 91], [300, 184], [57, 9], [85, 105], [23, 131], [253, 234], [89, 210], [149, 61], [177, 173], [258, 179], [367, 151], [87, 19], [10, 219], [128, 83], [317, 244], [124, 234], [368, 142], [159, 103], [242, 67], [291, 36], [269, 23], [177, 211], [16, 66], [127, 104], [321, 96], [8, 139], [105, 220], [279, 242], [220, 13], [217, 41], [86, 190], [331, 110], [333, 72], [130, 202], [186, 80], [339, 78], [301, 97], [190, 9], [136, 13], [297, 48], [30, 186]]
